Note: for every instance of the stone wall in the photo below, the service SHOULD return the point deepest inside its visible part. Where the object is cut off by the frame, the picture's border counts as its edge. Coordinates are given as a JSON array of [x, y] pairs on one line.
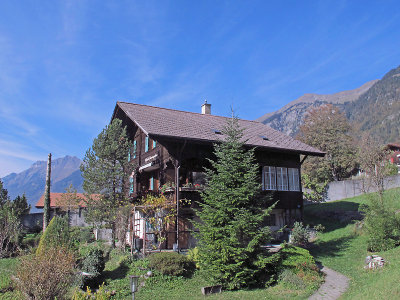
[[339, 190]]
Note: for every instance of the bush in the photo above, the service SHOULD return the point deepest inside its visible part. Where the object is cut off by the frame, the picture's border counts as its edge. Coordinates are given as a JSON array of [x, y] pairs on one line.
[[100, 294], [300, 262], [288, 277], [300, 235], [46, 276], [171, 263], [55, 235], [93, 262], [382, 226], [193, 254]]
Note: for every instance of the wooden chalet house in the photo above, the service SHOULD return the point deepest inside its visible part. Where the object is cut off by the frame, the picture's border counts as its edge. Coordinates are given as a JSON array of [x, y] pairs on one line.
[[171, 147]]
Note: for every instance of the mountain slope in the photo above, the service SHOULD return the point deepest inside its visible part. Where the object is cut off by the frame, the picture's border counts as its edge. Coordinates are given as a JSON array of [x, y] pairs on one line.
[[291, 116], [377, 111], [64, 171]]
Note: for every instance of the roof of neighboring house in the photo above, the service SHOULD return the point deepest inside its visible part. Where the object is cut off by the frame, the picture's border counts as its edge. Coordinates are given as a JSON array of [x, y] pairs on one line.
[[163, 122], [56, 200]]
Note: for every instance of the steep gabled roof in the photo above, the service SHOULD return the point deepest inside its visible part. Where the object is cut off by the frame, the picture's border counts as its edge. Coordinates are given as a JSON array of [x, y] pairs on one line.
[[163, 122]]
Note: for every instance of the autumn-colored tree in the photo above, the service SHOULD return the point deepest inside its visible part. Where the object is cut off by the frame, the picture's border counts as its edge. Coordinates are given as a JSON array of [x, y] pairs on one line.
[[327, 129], [373, 158]]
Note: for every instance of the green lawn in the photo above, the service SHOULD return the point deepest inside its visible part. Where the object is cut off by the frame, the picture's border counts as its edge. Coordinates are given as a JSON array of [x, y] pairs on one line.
[[344, 250], [7, 267], [118, 269]]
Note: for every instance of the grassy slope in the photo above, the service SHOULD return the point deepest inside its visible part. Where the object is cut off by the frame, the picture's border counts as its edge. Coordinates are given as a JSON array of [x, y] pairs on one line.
[[117, 273], [341, 249]]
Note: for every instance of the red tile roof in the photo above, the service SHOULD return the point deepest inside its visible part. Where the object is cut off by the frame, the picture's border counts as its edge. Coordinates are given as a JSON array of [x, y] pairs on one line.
[[56, 200], [157, 121]]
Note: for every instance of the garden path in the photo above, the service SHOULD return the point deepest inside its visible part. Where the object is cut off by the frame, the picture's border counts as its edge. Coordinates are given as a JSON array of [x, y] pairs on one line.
[[334, 286]]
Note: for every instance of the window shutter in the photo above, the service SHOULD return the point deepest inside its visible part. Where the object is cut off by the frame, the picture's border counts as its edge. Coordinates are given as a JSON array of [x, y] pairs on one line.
[[151, 183]]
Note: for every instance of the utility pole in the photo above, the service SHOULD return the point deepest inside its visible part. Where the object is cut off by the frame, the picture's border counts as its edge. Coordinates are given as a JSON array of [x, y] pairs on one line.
[[46, 205]]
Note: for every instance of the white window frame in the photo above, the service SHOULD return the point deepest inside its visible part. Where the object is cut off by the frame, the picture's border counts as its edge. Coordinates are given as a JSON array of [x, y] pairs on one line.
[[269, 178], [294, 179], [282, 180]]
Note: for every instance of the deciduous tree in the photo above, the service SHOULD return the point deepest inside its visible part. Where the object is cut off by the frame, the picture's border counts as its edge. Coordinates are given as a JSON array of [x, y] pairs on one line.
[[327, 129]]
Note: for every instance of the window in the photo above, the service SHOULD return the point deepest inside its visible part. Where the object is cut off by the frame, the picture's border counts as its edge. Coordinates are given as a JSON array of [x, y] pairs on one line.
[[134, 149], [282, 178], [129, 155], [131, 185], [146, 144], [269, 178], [151, 183], [294, 182], [154, 144]]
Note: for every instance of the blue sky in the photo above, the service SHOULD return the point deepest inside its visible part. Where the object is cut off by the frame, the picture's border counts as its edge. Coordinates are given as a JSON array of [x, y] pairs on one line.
[[64, 64]]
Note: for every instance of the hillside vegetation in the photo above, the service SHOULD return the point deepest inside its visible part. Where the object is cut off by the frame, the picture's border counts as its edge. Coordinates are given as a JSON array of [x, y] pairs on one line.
[[344, 249], [373, 108]]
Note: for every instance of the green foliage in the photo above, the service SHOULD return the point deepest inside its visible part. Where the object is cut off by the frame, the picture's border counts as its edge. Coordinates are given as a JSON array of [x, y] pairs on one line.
[[314, 191], [10, 230], [93, 262], [288, 277], [319, 227], [81, 234], [382, 225], [56, 235], [100, 294], [20, 206], [293, 257], [193, 254], [300, 235], [46, 276], [105, 171], [231, 231], [171, 263], [3, 195]]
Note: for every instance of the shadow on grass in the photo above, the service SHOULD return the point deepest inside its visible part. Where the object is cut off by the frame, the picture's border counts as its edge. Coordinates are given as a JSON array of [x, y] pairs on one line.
[[332, 248], [333, 215], [117, 273]]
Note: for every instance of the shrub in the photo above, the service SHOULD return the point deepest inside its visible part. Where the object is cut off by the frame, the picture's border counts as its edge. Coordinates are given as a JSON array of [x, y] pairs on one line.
[[10, 231], [93, 262], [300, 235], [319, 228], [301, 263], [55, 235], [46, 276], [382, 226], [100, 294], [193, 254], [171, 263], [288, 277]]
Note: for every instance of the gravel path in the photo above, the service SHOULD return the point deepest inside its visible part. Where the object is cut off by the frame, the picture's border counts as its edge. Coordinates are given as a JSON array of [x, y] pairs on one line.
[[334, 286]]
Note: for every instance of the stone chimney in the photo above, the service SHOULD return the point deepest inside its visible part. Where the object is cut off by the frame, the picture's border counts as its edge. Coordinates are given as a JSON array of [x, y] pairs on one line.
[[206, 108]]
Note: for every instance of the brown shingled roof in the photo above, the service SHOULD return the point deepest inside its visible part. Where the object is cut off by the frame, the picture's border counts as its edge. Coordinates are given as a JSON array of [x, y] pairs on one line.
[[157, 121], [56, 200]]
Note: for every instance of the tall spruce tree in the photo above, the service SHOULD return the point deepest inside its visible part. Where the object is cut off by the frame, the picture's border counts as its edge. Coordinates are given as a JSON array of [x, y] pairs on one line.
[[105, 171], [231, 230]]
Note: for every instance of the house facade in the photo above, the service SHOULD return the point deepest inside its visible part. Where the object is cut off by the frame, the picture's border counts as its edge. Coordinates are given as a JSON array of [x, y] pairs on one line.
[[171, 150]]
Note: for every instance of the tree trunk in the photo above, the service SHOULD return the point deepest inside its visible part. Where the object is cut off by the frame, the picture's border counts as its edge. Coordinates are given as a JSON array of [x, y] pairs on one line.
[[46, 205]]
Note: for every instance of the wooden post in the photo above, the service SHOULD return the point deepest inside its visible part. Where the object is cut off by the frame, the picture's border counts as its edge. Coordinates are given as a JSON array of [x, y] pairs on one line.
[[46, 205]]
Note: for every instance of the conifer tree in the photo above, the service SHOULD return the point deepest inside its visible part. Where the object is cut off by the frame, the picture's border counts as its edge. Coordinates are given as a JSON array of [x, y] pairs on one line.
[[105, 171], [231, 230]]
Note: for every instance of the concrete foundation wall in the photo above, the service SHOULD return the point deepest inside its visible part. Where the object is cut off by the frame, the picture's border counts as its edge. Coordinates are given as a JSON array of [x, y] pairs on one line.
[[339, 190]]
